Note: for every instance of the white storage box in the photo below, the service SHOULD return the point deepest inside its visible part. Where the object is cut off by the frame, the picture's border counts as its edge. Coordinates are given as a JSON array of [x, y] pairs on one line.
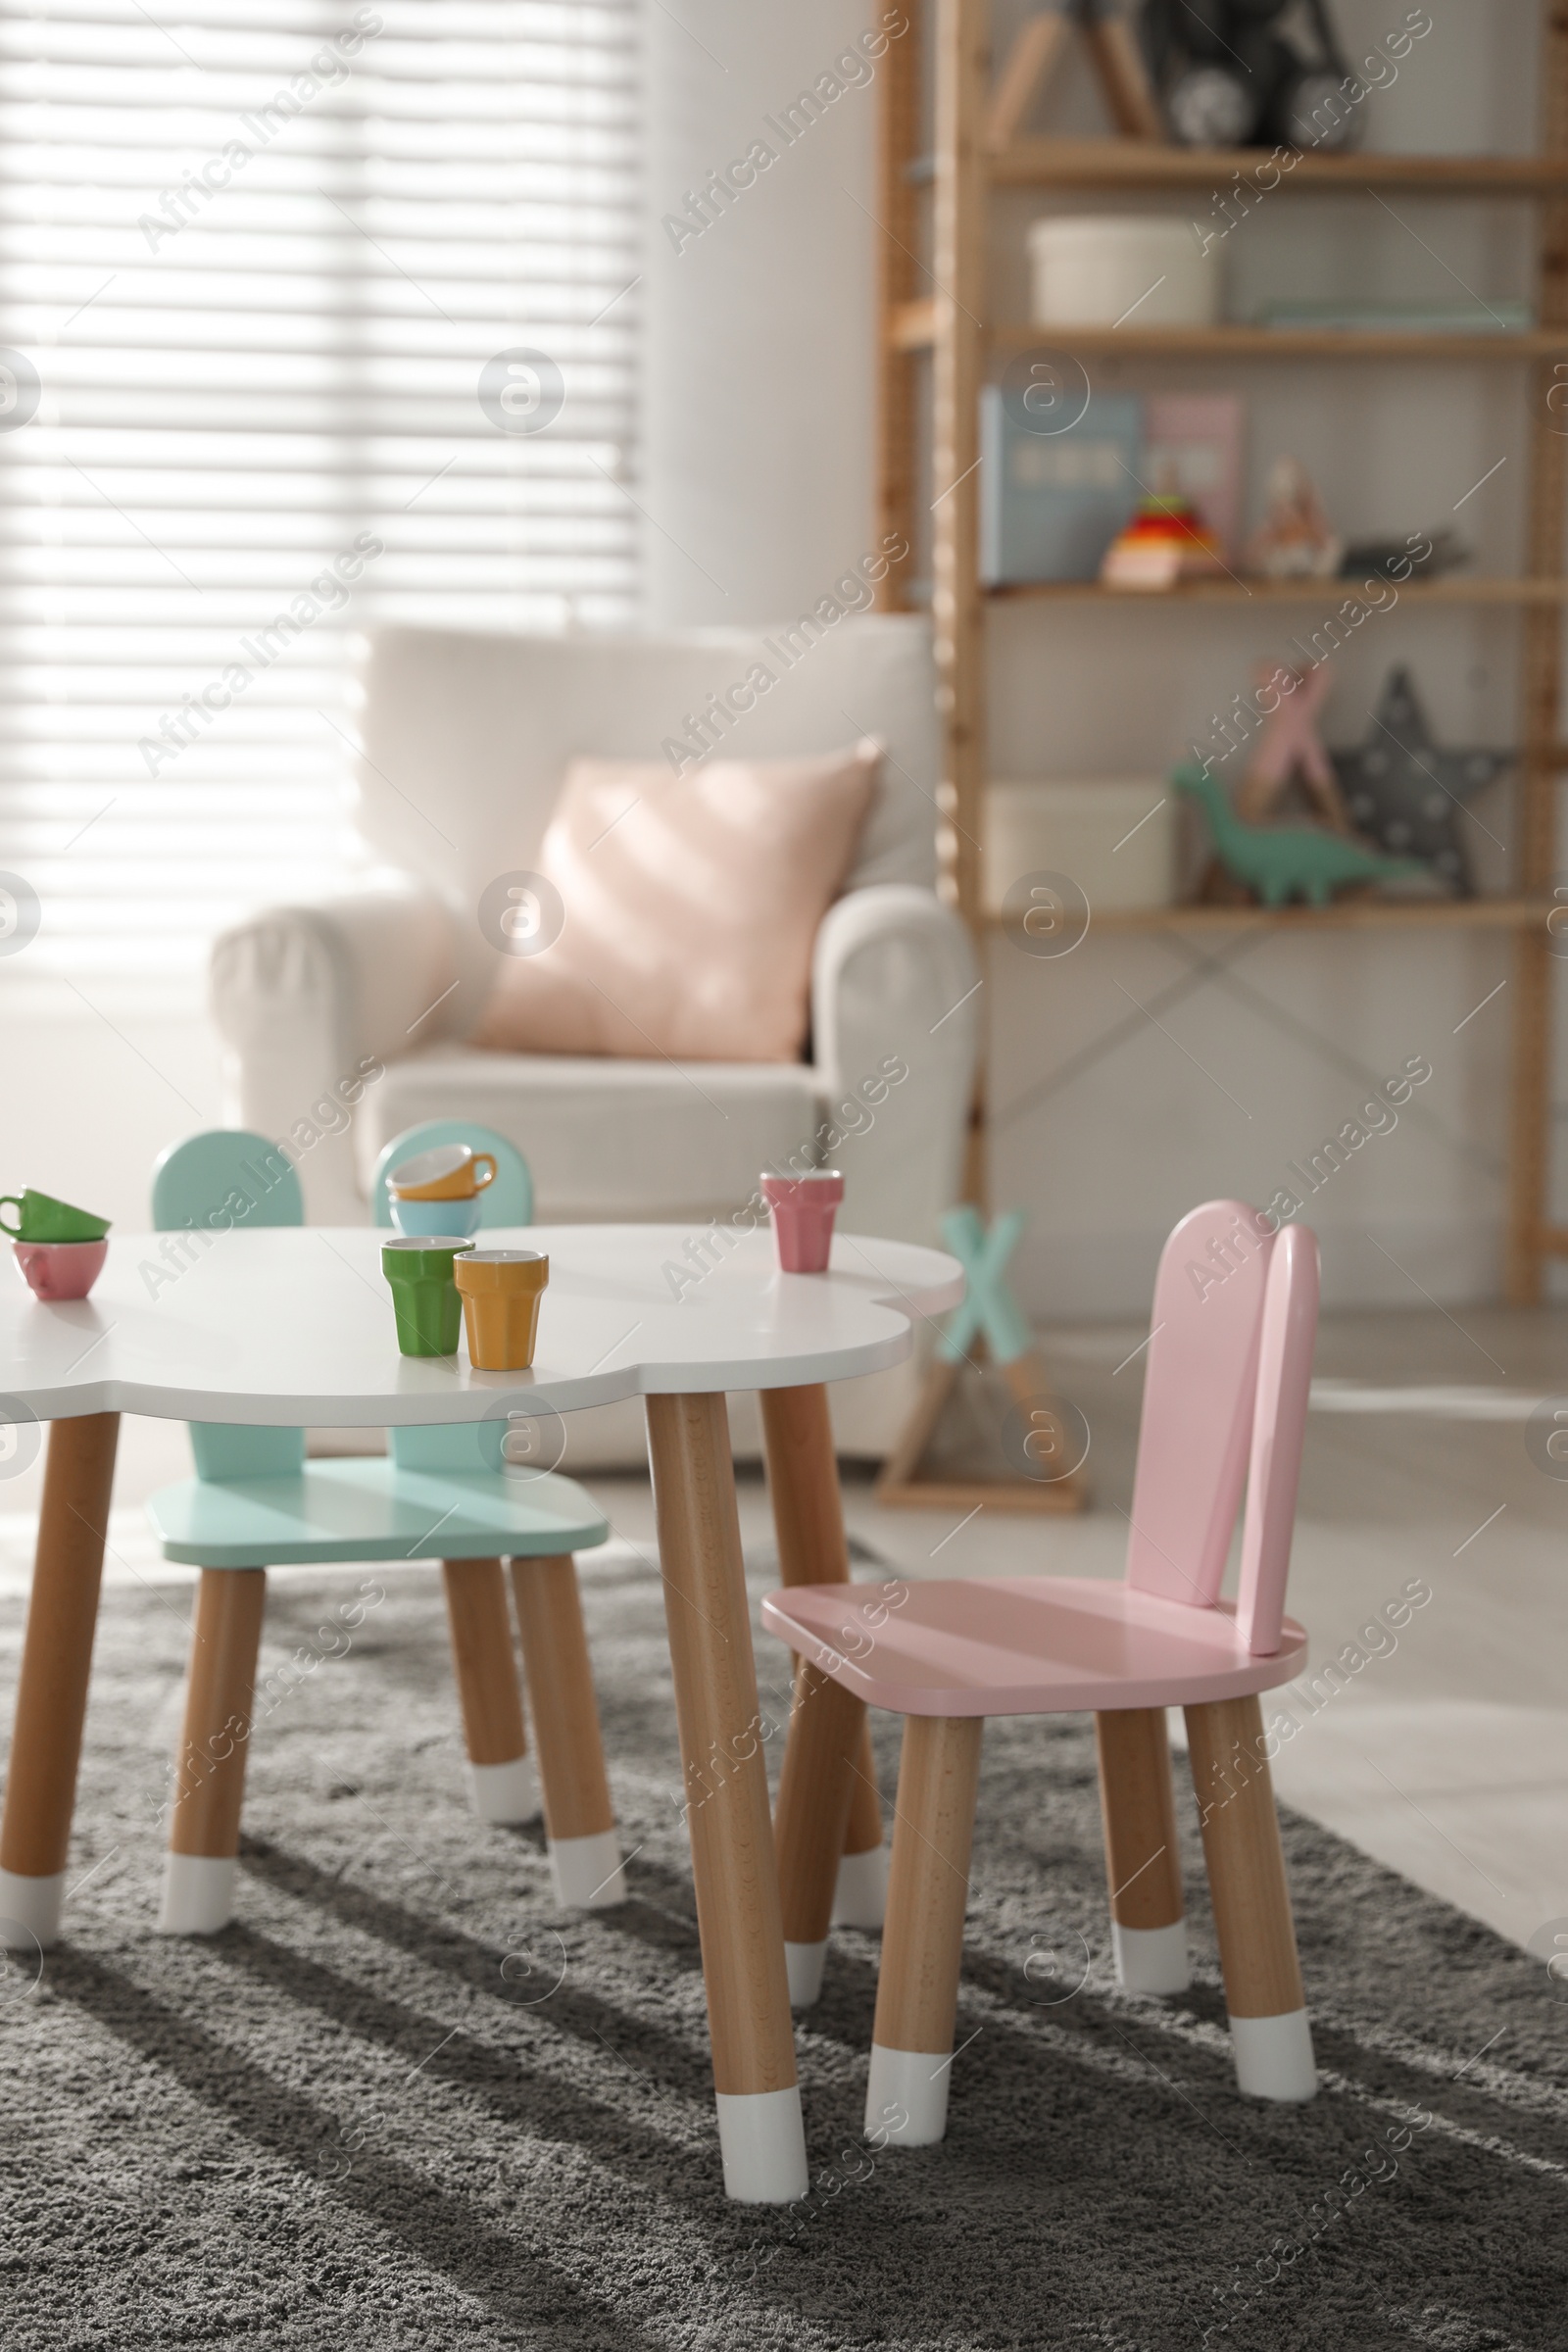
[[1099, 833], [1141, 270]]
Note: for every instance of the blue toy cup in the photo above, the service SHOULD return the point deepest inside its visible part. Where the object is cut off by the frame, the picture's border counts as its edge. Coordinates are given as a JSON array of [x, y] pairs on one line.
[[415, 1219]]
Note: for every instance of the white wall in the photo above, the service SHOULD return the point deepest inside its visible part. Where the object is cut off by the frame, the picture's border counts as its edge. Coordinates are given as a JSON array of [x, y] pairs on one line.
[[758, 468], [759, 389], [89, 1097]]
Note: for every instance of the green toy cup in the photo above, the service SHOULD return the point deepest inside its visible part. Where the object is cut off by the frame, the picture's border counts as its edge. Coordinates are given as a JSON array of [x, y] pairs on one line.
[[425, 1296], [42, 1219]]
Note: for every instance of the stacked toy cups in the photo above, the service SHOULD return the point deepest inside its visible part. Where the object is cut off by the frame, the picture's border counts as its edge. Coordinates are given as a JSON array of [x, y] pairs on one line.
[[438, 1191], [440, 1282], [60, 1250]]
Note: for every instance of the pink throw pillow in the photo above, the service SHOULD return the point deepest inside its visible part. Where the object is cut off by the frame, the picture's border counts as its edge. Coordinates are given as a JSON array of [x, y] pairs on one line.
[[692, 904]]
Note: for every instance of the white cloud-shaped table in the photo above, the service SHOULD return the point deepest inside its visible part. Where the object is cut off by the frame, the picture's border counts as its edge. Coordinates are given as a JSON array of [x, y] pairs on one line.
[[295, 1327]]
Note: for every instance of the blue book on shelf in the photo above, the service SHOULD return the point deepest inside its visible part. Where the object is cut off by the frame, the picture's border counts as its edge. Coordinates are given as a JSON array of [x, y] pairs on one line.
[[1051, 504]]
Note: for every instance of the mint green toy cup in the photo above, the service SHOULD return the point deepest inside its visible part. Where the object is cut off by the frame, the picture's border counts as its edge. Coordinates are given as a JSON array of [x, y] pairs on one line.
[[424, 1297]]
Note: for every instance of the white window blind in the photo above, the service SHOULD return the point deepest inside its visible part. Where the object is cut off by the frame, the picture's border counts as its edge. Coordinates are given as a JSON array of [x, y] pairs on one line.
[[254, 259]]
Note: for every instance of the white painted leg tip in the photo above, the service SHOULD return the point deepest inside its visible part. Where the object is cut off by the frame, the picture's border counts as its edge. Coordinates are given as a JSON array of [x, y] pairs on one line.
[[907, 2097], [860, 1895], [587, 1871], [762, 2138], [1152, 1959], [198, 1894], [29, 1910], [804, 1961], [1274, 2056], [505, 1794]]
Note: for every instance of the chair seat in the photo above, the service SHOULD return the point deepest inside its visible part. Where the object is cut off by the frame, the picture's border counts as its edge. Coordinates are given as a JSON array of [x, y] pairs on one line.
[[611, 1140], [1025, 1645], [370, 1511]]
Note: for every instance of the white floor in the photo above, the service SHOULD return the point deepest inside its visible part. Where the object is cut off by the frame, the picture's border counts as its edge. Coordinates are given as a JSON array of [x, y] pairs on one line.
[[1444, 1751]]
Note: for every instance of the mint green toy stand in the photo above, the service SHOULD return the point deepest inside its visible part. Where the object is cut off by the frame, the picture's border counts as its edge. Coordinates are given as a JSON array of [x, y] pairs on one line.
[[989, 1305], [988, 1319]]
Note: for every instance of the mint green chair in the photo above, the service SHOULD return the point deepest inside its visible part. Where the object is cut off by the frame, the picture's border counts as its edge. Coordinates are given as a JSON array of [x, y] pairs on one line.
[[509, 1200], [257, 1504]]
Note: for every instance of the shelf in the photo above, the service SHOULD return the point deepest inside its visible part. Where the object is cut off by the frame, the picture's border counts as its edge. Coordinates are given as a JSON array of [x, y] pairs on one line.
[[1141, 164], [1279, 343], [914, 327], [1346, 915], [1455, 591]]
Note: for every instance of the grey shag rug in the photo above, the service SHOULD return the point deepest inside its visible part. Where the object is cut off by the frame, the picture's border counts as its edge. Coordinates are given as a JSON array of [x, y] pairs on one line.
[[403, 2102]]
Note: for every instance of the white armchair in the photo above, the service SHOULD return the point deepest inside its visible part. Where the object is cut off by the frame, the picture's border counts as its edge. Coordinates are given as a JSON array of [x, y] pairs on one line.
[[345, 1021]]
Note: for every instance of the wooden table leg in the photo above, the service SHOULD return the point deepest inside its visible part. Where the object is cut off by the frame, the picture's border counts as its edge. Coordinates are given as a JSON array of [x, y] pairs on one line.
[[56, 1664], [500, 1774], [802, 1478], [579, 1818], [762, 2137]]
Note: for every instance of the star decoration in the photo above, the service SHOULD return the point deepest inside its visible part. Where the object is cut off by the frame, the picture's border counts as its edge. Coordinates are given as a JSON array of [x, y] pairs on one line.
[[1406, 793]]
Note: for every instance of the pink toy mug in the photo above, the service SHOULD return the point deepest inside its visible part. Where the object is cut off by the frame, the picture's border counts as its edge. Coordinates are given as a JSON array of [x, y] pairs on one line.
[[803, 1208], [55, 1270]]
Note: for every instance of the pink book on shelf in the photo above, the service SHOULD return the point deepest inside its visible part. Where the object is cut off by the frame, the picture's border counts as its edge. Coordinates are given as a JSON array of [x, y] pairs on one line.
[[1193, 443]]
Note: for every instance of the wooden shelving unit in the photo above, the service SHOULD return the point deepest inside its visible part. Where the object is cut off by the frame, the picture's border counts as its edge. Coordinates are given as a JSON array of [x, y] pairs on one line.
[[935, 312]]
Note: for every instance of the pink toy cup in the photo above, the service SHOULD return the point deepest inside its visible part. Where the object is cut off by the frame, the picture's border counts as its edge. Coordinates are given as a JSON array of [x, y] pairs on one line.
[[59, 1269], [803, 1208]]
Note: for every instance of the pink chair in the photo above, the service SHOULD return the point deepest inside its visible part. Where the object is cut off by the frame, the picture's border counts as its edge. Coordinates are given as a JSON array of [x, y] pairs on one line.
[[1225, 1399]]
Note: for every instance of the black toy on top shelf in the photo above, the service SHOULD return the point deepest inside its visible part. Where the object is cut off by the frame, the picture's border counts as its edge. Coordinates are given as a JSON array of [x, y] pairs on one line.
[[1389, 558], [1406, 793], [1228, 77]]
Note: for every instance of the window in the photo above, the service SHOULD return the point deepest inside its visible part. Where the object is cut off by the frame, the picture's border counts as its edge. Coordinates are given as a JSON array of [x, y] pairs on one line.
[[266, 273]]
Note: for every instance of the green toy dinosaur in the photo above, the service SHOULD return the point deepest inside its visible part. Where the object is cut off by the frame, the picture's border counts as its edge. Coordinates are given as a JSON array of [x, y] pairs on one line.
[[1285, 861]]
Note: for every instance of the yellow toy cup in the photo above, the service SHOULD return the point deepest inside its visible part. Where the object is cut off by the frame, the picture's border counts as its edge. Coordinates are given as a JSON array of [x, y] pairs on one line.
[[501, 1290], [449, 1172]]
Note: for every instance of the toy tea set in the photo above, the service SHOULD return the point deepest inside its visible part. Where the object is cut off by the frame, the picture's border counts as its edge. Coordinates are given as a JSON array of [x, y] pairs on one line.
[[60, 1250], [440, 1282], [442, 1285]]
